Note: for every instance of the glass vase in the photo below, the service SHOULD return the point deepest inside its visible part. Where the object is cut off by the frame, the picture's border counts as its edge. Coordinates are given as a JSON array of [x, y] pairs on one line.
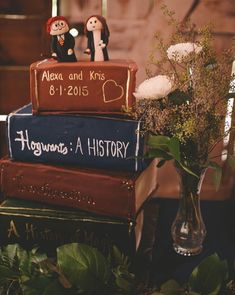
[[188, 229]]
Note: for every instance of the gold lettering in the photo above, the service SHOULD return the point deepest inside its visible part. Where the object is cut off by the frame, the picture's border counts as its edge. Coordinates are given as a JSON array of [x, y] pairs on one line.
[[97, 76], [12, 230], [46, 233], [51, 76], [30, 231], [45, 75], [76, 76], [46, 191]]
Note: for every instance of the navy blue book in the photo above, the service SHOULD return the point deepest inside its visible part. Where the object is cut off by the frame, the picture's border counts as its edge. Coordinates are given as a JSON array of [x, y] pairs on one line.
[[85, 141]]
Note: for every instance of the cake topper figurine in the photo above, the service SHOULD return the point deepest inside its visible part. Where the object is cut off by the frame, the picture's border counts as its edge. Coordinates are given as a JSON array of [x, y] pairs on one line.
[[62, 43], [97, 33]]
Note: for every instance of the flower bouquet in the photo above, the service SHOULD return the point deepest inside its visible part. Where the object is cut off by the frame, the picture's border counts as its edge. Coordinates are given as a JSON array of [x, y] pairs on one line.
[[184, 111]]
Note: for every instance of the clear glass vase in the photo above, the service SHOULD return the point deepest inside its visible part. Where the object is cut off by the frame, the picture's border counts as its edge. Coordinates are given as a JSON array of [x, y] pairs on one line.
[[188, 229]]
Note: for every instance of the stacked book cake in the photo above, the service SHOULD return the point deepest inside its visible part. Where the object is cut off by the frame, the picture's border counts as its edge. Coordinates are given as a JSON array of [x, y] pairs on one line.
[[74, 158]]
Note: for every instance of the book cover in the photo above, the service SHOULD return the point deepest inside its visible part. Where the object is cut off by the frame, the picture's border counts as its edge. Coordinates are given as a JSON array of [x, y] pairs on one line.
[[99, 191], [33, 224], [89, 141], [91, 87]]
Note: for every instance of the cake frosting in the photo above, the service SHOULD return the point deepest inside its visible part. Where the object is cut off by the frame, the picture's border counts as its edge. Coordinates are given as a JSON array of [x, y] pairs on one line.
[[82, 87], [104, 192], [88, 141]]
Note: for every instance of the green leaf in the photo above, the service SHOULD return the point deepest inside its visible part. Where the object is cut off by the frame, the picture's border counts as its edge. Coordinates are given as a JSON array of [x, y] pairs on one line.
[[174, 148], [178, 97], [159, 141], [44, 286], [29, 262], [217, 175], [231, 161], [123, 278], [170, 287], [188, 170], [56, 288], [84, 266], [10, 253], [25, 264], [122, 272], [209, 275], [164, 147], [7, 274], [38, 257], [124, 284], [35, 286], [158, 153], [119, 258]]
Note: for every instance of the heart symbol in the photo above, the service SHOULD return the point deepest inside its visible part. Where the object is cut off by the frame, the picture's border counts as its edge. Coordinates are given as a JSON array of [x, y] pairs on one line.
[[112, 91]]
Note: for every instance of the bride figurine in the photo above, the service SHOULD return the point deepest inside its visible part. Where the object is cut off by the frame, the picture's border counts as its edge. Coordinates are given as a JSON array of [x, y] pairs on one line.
[[97, 33]]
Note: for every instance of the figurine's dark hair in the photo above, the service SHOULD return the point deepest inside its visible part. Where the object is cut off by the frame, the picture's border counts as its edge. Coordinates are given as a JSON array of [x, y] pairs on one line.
[[53, 19], [105, 28]]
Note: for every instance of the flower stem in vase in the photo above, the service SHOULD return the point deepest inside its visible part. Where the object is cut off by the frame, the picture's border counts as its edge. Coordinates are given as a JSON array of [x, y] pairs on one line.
[[188, 229]]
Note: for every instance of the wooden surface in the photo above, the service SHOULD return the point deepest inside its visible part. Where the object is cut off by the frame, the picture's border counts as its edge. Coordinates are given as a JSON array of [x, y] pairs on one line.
[[17, 95], [22, 41], [133, 23], [25, 7]]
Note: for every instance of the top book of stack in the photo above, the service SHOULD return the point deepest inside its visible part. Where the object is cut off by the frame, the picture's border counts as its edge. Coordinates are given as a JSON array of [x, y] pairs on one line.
[[82, 87]]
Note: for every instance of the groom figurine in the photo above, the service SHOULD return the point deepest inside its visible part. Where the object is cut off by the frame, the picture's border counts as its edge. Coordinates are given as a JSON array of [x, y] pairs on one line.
[[63, 42]]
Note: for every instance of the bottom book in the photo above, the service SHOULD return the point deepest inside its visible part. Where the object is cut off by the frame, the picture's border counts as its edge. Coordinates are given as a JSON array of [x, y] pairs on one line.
[[33, 224]]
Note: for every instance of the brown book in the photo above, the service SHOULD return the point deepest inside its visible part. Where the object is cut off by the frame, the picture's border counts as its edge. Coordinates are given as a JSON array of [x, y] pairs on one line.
[[78, 87], [103, 192]]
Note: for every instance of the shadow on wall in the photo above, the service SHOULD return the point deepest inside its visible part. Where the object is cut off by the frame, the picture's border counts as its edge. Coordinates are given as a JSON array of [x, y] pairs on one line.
[[133, 23]]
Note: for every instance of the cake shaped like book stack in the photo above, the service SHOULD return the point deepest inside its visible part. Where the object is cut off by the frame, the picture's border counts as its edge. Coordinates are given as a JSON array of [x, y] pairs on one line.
[[104, 173]]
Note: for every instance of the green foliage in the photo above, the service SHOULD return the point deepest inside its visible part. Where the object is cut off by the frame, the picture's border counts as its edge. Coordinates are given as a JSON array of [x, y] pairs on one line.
[[171, 287], [192, 108], [178, 97], [20, 269], [163, 147], [124, 279], [85, 267], [208, 276], [79, 269], [43, 285], [166, 148]]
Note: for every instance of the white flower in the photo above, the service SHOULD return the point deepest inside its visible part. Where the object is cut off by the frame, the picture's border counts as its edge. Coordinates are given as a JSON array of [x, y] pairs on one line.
[[180, 51], [154, 88]]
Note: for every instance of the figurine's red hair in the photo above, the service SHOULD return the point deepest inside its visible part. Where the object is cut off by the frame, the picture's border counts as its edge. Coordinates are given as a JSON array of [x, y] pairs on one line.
[[53, 19]]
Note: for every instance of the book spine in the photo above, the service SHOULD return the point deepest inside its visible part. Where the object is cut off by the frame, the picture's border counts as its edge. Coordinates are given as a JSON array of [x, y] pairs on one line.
[[89, 190], [90, 88], [49, 233], [76, 140]]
